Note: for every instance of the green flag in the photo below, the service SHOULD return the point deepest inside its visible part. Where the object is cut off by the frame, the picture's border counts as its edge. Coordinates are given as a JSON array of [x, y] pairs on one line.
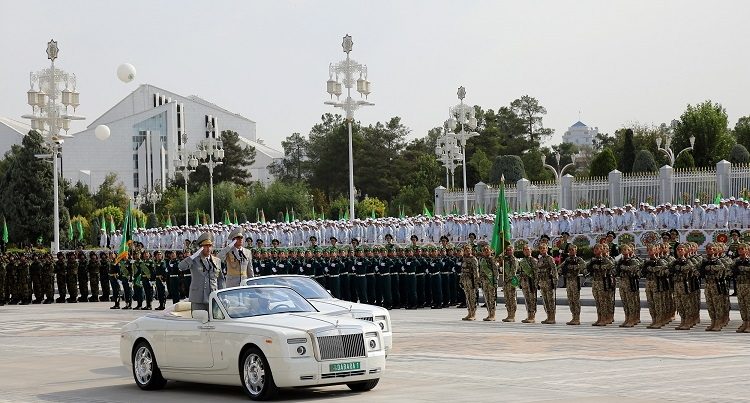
[[169, 220], [286, 216], [501, 230], [293, 218], [426, 211], [104, 225], [126, 236], [235, 218], [226, 218], [197, 218], [262, 216], [111, 224], [313, 213], [5, 231], [717, 200], [70, 230], [80, 231]]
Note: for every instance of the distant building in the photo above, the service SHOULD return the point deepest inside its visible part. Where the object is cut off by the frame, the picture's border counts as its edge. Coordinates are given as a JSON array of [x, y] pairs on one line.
[[580, 134], [11, 132], [145, 130]]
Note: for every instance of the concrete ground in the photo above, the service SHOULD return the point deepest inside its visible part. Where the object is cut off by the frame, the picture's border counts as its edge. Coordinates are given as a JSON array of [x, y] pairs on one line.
[[69, 353]]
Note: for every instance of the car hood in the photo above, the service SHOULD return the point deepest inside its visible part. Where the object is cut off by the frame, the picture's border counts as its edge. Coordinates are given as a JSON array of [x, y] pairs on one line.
[[333, 306], [307, 321]]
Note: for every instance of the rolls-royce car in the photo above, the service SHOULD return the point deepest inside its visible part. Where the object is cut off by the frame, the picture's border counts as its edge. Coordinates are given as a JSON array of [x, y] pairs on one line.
[[261, 338], [324, 302]]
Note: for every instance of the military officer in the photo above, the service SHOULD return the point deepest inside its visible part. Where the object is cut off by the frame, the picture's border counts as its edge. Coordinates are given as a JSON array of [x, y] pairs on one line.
[[572, 269], [237, 258], [469, 279], [527, 266], [205, 270], [173, 272], [627, 269], [510, 279], [546, 276]]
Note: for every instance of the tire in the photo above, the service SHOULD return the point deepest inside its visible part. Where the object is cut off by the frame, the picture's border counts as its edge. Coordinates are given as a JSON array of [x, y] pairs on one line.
[[256, 376], [146, 372], [363, 386]]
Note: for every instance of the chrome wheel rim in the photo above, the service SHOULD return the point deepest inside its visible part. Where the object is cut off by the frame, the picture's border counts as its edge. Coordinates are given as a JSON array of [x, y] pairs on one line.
[[254, 373], [143, 363]]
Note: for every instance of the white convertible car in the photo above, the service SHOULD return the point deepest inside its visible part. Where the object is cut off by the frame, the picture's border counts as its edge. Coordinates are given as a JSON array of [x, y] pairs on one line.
[[324, 302], [260, 337]]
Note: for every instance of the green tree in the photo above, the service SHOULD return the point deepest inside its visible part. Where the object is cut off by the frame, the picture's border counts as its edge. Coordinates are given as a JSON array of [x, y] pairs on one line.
[[603, 163], [625, 164], [295, 165], [509, 166], [367, 205], [238, 157], [707, 122], [535, 170], [78, 199], [411, 199], [742, 131], [644, 162], [111, 193], [481, 165], [685, 160], [531, 112], [739, 155], [26, 192]]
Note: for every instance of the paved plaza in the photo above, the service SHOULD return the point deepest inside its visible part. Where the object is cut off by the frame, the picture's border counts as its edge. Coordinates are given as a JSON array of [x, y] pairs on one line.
[[69, 353]]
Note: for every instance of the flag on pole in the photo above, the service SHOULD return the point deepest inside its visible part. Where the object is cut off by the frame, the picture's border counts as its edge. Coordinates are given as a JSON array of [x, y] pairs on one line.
[[293, 214], [372, 214], [205, 218], [111, 224], [236, 222], [226, 218], [426, 211], [286, 216], [257, 215], [197, 218], [346, 215], [717, 200], [5, 231], [169, 220], [313, 213], [70, 230], [501, 230], [80, 231], [262, 216], [126, 237], [104, 225]]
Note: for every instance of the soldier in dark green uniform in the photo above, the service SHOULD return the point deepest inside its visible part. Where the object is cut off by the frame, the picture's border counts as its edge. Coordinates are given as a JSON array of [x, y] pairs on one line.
[[104, 264], [360, 273], [23, 280], [420, 268], [445, 273], [71, 271], [148, 278], [60, 277], [83, 277], [125, 275], [138, 267], [113, 271], [11, 292], [48, 283], [94, 267], [411, 266], [394, 270], [35, 271], [173, 273], [370, 264], [384, 282], [333, 271], [160, 276], [282, 264], [345, 278], [3, 270], [436, 266]]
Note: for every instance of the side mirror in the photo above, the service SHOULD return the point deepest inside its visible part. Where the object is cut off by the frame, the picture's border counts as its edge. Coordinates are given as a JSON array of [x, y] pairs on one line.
[[201, 315]]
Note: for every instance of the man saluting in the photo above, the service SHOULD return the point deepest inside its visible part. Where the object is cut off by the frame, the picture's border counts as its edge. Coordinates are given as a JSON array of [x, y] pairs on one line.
[[205, 271], [238, 259]]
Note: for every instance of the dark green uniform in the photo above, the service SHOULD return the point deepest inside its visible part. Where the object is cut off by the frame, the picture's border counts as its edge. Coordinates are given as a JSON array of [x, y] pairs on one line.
[[48, 280], [174, 280], [35, 271], [436, 266], [160, 276], [83, 279], [61, 278], [71, 272], [94, 267], [125, 275]]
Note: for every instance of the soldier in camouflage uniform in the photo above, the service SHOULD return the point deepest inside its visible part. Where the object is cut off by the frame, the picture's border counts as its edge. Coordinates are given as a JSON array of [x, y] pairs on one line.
[[600, 269], [714, 273], [510, 272], [48, 279], [469, 279], [652, 269], [489, 276], [546, 277], [527, 266], [3, 268], [23, 280], [83, 277], [628, 270], [681, 270], [741, 274], [667, 281], [35, 271], [727, 262], [572, 269]]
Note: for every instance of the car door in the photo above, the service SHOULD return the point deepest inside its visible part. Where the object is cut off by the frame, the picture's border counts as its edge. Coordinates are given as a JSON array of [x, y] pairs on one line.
[[188, 344]]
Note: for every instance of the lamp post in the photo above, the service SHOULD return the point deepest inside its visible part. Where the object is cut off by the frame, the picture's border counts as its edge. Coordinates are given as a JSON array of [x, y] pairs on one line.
[[210, 154], [462, 115], [346, 70], [153, 197], [449, 154], [185, 163], [49, 105], [558, 172], [667, 141]]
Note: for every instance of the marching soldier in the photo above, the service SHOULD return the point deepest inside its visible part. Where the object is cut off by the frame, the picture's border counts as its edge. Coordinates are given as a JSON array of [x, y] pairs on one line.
[[113, 271], [104, 264], [572, 269], [83, 277], [527, 266], [741, 274], [713, 271], [469, 279], [546, 276], [61, 277], [510, 281], [600, 270], [125, 275], [682, 273], [488, 278], [628, 270], [436, 282], [48, 286], [3, 272], [35, 271], [652, 269]]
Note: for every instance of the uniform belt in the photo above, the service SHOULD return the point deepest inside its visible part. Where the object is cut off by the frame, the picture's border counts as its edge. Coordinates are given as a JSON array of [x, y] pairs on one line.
[[174, 275], [420, 274], [333, 275], [187, 275], [370, 274], [360, 275]]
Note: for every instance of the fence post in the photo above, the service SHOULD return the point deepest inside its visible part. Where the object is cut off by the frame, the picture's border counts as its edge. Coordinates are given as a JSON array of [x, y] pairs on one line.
[[480, 192], [566, 184], [439, 200], [723, 182], [666, 184], [523, 194], [615, 188]]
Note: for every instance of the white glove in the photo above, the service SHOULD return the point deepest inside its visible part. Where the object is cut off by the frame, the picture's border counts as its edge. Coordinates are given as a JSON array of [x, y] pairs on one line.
[[196, 255]]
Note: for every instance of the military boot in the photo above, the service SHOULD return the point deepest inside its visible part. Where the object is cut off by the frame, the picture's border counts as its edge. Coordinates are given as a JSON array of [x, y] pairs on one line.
[[490, 317], [138, 307], [742, 327], [550, 319], [712, 327], [510, 318], [160, 307], [575, 321], [531, 318], [747, 327], [683, 324], [116, 305], [129, 305]]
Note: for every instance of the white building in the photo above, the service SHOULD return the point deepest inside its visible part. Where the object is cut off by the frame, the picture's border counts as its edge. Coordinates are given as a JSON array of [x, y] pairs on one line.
[[11, 132], [580, 134], [145, 130]]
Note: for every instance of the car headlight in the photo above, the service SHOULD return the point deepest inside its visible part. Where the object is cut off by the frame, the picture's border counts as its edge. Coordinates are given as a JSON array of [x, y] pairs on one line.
[[372, 339], [301, 350], [382, 322], [298, 347]]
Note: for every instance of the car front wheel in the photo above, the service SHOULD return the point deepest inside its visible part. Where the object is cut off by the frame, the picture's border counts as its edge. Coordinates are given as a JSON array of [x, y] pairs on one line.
[[363, 386], [145, 369], [257, 380]]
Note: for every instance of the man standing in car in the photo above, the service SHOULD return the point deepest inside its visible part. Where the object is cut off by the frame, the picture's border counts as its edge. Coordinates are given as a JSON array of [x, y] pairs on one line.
[[205, 271], [238, 259]]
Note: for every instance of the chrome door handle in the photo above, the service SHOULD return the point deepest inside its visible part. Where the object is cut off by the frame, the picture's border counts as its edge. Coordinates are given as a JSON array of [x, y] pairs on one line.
[[206, 327]]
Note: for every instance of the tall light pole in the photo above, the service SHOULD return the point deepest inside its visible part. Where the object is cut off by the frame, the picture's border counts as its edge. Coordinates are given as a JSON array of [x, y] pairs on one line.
[[185, 163], [210, 154], [448, 153], [153, 197], [463, 115], [667, 140], [49, 105], [347, 70], [558, 173]]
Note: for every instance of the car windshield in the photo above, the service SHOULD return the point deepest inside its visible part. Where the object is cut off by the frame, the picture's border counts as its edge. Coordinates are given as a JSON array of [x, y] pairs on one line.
[[247, 302], [305, 286]]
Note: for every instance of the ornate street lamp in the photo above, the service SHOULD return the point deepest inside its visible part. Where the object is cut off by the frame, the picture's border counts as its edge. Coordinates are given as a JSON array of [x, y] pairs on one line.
[[210, 153], [185, 163], [667, 141], [462, 118]]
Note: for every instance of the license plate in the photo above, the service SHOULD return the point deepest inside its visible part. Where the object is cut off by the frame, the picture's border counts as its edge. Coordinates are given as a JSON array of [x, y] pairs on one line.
[[344, 366]]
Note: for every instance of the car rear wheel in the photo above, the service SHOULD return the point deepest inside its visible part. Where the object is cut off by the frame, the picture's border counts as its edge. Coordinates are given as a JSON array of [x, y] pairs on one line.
[[145, 369], [257, 380], [363, 386]]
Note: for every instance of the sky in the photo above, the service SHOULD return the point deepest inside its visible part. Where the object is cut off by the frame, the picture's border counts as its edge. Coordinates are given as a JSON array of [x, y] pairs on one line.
[[611, 63]]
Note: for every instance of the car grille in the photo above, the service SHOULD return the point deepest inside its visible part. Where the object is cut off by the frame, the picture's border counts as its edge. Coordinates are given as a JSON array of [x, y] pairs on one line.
[[341, 374], [341, 346], [367, 318]]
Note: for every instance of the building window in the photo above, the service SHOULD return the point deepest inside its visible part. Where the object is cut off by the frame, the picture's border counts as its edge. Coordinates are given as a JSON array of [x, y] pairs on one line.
[[135, 161], [135, 180]]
